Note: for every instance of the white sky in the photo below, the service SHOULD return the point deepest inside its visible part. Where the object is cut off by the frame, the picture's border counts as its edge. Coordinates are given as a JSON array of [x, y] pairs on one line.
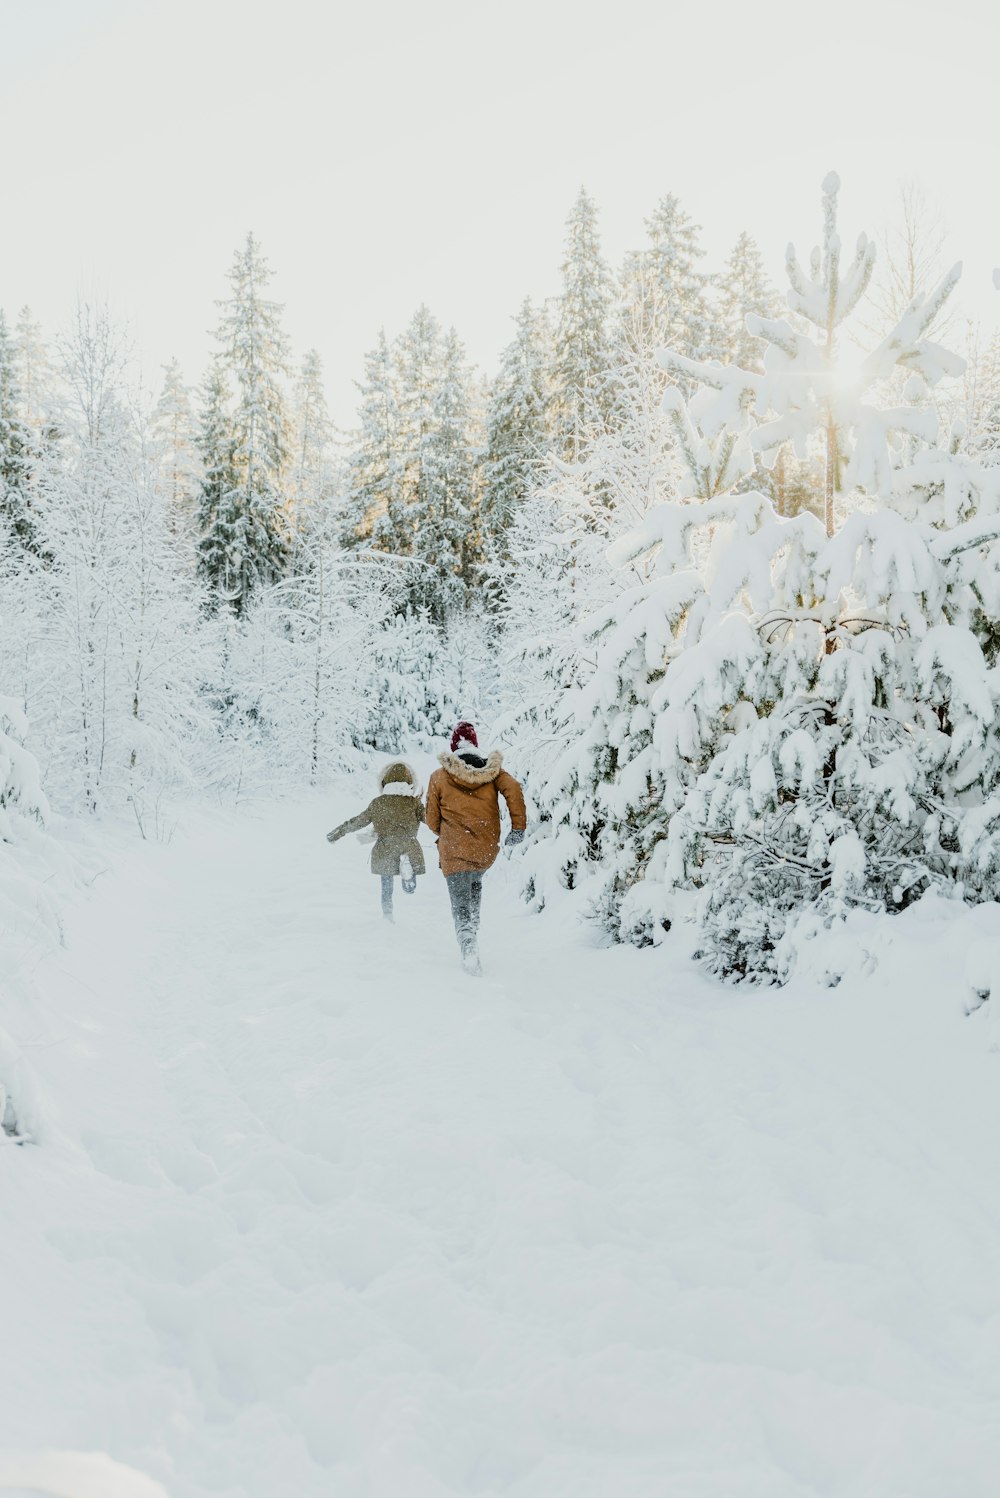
[[397, 152]]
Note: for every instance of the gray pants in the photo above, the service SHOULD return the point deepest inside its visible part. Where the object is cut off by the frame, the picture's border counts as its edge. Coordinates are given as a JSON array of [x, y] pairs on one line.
[[466, 893], [387, 896]]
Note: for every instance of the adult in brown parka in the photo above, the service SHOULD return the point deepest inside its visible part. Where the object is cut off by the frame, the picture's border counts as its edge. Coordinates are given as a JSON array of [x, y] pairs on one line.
[[395, 814], [463, 811]]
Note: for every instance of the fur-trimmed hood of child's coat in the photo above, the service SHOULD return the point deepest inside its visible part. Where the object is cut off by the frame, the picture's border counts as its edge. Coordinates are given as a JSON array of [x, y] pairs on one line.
[[398, 779], [459, 769]]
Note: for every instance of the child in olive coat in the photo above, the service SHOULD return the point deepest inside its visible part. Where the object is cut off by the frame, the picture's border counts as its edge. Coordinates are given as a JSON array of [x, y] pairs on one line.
[[396, 815]]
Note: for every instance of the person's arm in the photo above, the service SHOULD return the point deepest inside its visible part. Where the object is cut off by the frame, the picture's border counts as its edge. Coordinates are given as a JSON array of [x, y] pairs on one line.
[[512, 793], [363, 819], [432, 815]]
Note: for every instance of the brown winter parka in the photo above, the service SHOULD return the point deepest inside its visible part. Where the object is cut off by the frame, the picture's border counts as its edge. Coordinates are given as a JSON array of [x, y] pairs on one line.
[[463, 810], [395, 815]]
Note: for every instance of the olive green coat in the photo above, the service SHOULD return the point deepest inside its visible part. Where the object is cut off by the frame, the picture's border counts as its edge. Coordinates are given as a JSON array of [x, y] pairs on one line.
[[396, 816]]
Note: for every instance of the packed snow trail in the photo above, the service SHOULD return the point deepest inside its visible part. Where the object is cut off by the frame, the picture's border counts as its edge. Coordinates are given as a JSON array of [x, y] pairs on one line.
[[314, 1213]]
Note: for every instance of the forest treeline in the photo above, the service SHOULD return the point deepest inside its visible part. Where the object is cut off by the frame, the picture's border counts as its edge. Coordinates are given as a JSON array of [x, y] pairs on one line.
[[662, 546]]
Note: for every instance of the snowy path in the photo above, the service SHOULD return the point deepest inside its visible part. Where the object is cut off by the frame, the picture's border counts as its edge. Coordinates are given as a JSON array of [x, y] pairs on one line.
[[321, 1216]]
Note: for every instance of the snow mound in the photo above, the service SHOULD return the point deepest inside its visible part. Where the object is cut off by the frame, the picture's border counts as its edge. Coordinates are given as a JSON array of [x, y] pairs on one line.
[[72, 1474]]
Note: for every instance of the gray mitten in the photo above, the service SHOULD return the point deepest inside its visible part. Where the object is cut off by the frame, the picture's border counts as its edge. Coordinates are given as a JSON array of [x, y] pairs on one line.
[[514, 836]]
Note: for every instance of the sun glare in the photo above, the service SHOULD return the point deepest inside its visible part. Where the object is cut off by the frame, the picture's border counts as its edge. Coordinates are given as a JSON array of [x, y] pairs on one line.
[[847, 374]]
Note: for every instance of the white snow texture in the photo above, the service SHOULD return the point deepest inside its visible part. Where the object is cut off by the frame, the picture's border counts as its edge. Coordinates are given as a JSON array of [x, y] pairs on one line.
[[313, 1213]]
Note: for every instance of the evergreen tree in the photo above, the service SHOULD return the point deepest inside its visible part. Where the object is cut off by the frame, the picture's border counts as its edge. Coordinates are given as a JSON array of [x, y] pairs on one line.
[[984, 415], [412, 478], [743, 288], [372, 480], [417, 360], [411, 693], [581, 396], [34, 371], [17, 451], [445, 517], [173, 435], [666, 282], [517, 428], [311, 474], [252, 519], [216, 520], [835, 710]]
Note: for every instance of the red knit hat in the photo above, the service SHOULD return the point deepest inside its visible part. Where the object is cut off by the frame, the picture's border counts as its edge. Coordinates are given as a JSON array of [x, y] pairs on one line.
[[466, 732]]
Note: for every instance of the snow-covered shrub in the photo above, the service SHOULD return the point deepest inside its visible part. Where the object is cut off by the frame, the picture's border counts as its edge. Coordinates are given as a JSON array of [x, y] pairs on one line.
[[414, 693], [29, 918], [103, 629]]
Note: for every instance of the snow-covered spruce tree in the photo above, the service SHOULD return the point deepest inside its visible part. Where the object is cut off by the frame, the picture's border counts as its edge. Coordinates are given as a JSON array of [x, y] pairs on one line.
[[444, 509], [215, 443], [296, 700], [743, 289], [837, 711], [18, 452], [665, 283], [580, 396], [392, 476], [555, 576], [311, 478], [373, 492], [172, 433], [411, 685], [34, 371], [609, 794], [244, 542], [983, 403], [517, 428]]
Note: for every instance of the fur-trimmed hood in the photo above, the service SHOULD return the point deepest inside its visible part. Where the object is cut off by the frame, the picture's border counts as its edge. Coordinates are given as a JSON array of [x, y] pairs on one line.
[[397, 779], [472, 775]]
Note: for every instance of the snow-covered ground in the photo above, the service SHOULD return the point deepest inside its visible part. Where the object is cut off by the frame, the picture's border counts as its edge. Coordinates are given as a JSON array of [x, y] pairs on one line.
[[313, 1213]]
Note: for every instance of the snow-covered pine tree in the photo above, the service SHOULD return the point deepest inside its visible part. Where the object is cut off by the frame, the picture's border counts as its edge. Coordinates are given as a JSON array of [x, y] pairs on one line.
[[18, 453], [983, 433], [813, 387], [34, 370], [444, 508], [173, 437], [580, 396], [417, 360], [743, 289], [311, 478], [609, 795], [666, 288], [837, 712], [373, 490], [411, 692], [252, 520], [215, 441], [517, 427]]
